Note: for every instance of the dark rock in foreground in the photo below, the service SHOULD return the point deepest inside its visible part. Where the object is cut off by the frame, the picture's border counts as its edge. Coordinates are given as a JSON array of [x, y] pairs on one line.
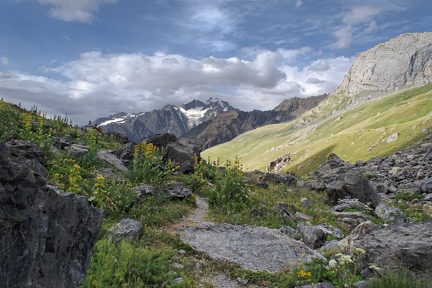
[[396, 246], [182, 153], [46, 236]]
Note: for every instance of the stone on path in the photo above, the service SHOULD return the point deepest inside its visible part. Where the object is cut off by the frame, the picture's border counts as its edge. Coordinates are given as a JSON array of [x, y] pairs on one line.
[[254, 248]]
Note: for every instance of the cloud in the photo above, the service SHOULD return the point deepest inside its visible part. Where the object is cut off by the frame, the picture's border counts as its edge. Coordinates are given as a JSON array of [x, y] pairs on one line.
[[210, 25], [75, 10], [299, 3], [4, 60], [344, 38], [100, 84], [371, 27], [361, 14], [319, 65]]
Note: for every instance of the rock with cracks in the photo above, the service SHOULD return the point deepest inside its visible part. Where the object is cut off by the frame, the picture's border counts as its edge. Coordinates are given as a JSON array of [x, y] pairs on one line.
[[182, 153], [396, 246], [46, 237], [254, 248]]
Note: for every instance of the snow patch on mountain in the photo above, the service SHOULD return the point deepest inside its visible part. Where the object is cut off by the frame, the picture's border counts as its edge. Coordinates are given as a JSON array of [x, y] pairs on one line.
[[119, 120], [194, 116]]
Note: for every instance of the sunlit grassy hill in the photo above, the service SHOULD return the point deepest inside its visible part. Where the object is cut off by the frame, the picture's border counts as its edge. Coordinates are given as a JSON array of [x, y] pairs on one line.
[[359, 133]]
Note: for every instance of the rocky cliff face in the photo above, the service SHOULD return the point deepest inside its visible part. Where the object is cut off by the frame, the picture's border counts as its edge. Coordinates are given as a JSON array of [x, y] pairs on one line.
[[46, 237], [402, 62]]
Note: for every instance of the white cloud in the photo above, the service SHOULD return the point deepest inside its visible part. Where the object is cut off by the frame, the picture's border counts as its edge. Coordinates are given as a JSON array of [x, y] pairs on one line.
[[299, 3], [344, 38], [75, 10], [361, 14], [102, 84], [371, 27], [4, 60]]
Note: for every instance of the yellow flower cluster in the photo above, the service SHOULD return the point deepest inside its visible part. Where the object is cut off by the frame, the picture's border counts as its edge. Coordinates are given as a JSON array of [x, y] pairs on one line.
[[304, 274], [27, 121], [75, 178]]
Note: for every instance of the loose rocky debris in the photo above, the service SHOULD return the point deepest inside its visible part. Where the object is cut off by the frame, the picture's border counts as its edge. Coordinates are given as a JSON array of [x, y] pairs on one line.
[[47, 236], [254, 248]]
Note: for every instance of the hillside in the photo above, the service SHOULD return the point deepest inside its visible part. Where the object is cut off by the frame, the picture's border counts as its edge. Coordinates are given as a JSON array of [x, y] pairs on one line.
[[356, 120], [358, 134]]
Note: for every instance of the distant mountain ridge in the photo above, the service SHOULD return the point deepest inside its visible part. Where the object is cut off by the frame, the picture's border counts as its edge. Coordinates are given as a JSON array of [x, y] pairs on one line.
[[230, 124], [169, 119], [210, 123]]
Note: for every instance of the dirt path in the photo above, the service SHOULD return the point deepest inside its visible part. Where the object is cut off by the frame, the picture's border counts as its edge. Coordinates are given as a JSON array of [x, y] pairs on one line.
[[195, 218]]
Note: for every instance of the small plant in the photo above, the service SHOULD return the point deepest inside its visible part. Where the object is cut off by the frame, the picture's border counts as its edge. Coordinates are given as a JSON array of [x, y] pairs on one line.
[[229, 190], [399, 279], [144, 169], [408, 196]]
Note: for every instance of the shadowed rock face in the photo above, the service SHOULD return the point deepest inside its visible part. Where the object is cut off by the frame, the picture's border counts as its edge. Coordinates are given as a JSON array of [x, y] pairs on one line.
[[46, 236], [402, 62], [395, 246]]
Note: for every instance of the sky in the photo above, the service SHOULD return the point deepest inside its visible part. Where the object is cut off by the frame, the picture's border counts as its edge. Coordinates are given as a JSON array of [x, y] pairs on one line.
[[94, 58]]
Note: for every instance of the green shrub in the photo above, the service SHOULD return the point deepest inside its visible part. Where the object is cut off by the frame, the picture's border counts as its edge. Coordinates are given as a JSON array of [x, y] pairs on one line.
[[128, 265], [399, 279]]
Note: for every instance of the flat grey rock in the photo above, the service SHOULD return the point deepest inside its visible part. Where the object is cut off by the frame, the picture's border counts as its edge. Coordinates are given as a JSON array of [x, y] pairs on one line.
[[254, 248]]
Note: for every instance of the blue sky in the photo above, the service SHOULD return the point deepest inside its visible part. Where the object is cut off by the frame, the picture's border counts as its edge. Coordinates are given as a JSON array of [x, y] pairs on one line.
[[93, 58]]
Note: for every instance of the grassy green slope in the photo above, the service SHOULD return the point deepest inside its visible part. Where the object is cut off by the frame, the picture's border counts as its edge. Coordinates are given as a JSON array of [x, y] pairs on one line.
[[357, 134]]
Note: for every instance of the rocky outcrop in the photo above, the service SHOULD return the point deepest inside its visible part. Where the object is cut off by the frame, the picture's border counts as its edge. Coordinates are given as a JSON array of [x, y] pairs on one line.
[[402, 62], [254, 248], [47, 236], [182, 153], [342, 180], [397, 246], [279, 164]]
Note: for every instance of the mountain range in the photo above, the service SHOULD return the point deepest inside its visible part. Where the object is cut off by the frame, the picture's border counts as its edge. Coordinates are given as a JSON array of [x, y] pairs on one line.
[[210, 123], [383, 104]]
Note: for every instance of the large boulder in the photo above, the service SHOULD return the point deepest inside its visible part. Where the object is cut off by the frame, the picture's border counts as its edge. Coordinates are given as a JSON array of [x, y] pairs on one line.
[[47, 236], [396, 246], [312, 236], [126, 153], [350, 184], [182, 153], [342, 180], [161, 140], [253, 248]]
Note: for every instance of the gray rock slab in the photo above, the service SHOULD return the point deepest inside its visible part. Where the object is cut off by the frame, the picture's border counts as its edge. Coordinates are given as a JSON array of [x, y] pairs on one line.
[[112, 159], [254, 248]]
